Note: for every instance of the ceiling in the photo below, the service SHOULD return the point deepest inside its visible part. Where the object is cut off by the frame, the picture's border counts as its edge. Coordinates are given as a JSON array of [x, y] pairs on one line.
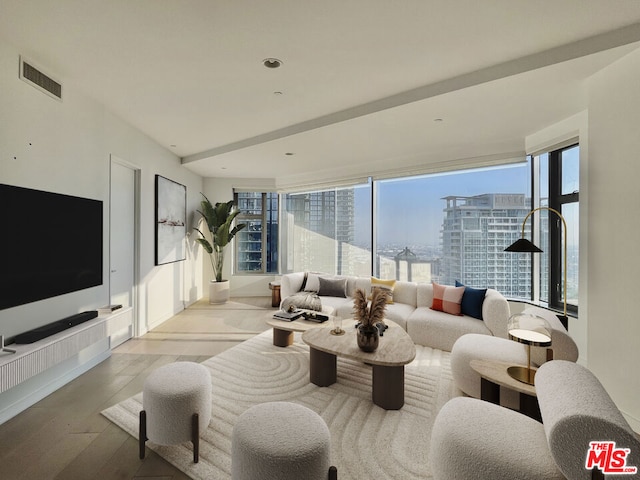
[[365, 86]]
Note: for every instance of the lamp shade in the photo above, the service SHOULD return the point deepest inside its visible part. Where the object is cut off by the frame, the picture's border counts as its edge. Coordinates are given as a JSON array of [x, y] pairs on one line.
[[522, 245]]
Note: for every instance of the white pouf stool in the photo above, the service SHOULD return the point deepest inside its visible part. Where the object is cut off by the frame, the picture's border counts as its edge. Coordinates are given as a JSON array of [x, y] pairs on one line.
[[176, 405], [281, 441]]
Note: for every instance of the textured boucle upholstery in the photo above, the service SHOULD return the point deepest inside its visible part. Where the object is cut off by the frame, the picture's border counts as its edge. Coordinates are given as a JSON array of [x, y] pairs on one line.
[[472, 439], [562, 345], [441, 330], [170, 396], [476, 440], [280, 440], [473, 346], [577, 410], [411, 309]]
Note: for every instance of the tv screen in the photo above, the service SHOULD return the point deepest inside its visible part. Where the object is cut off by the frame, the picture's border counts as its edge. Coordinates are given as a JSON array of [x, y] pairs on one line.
[[50, 244]]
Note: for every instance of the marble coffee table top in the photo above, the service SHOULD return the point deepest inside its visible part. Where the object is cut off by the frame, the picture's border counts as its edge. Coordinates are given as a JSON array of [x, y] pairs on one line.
[[298, 325], [395, 348]]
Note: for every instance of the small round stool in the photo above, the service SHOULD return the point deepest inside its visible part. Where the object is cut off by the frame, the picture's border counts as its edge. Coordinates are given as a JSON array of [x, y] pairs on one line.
[[176, 405], [280, 441]]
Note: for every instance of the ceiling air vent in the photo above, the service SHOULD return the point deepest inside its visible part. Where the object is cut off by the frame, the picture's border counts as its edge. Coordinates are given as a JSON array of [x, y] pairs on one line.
[[33, 76]]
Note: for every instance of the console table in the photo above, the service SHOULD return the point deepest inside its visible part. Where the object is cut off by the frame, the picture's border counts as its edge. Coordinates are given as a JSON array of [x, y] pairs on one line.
[[38, 369]]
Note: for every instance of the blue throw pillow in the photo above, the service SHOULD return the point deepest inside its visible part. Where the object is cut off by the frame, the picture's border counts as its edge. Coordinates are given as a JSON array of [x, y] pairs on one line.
[[472, 300]]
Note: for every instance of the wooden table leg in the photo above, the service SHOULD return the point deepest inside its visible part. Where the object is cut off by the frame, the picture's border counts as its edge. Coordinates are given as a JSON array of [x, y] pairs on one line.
[[322, 368], [275, 295], [282, 338], [388, 387]]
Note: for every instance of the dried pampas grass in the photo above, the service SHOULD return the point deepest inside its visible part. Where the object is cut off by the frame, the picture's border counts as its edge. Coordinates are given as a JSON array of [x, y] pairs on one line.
[[367, 314]]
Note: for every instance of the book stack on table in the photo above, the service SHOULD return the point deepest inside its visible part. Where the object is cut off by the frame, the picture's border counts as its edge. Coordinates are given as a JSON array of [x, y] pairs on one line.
[[288, 316]]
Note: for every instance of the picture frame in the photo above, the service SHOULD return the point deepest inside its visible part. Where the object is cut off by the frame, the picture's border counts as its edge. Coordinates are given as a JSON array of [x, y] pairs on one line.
[[170, 221]]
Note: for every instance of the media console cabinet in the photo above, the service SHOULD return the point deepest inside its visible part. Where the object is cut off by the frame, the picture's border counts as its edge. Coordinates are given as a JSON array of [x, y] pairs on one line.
[[40, 368]]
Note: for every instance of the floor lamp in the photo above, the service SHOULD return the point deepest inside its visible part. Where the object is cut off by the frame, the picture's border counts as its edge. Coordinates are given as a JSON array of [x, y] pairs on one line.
[[524, 245]]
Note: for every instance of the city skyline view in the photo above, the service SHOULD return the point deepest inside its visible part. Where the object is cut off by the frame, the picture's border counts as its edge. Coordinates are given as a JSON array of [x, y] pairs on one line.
[[451, 226], [420, 199]]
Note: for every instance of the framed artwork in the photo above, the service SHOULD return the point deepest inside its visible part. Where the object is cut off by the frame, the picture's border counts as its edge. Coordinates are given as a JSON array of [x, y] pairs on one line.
[[171, 215]]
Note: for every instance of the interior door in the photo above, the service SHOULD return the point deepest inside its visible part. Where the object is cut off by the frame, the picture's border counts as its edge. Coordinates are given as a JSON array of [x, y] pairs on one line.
[[122, 244]]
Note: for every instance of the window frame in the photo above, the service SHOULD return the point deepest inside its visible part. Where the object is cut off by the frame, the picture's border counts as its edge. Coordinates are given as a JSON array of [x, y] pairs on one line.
[[556, 201], [263, 217]]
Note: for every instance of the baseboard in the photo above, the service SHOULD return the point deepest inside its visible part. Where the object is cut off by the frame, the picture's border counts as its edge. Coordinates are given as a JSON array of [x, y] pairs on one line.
[[163, 318], [28, 393]]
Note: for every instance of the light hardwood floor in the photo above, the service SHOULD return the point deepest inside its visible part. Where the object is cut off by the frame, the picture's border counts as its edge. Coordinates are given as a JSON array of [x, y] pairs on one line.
[[64, 436]]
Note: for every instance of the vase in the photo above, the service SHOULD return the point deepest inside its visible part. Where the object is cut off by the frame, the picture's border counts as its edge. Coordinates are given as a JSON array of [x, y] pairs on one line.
[[368, 338], [218, 291]]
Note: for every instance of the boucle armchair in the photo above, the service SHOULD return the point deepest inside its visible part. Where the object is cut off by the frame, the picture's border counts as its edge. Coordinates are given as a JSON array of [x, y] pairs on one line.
[[473, 439], [471, 346]]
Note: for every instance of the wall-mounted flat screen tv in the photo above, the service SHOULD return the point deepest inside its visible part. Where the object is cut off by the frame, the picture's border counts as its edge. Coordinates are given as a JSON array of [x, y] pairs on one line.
[[50, 244]]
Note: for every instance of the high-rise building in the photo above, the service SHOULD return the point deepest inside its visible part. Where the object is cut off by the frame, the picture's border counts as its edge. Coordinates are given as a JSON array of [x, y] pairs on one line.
[[257, 244], [475, 232], [320, 227]]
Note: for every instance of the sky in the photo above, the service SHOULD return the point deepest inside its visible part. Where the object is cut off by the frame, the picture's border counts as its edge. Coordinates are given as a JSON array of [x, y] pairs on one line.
[[410, 211]]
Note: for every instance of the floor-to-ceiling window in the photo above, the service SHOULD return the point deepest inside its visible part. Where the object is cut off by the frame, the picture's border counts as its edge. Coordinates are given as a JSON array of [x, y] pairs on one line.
[[327, 231], [257, 244], [455, 226], [444, 227], [559, 172]]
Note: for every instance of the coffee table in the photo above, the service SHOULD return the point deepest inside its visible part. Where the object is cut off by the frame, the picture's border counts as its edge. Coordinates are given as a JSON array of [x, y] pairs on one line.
[[283, 330], [395, 350]]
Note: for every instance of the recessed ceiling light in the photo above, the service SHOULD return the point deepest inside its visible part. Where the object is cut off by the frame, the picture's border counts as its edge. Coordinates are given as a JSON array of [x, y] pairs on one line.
[[277, 93], [271, 62]]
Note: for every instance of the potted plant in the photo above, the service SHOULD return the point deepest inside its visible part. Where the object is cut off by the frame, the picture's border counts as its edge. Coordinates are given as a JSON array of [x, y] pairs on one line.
[[219, 218]]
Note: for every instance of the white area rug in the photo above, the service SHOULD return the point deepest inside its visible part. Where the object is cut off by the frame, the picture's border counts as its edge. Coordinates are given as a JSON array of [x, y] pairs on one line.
[[367, 442]]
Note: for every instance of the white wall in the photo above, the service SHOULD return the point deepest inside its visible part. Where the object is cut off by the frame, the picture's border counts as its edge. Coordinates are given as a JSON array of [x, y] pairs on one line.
[[549, 137], [65, 147], [613, 202]]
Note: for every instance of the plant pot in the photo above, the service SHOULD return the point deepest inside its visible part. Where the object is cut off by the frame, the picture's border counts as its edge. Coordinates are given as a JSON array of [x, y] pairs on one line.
[[219, 291], [368, 338]]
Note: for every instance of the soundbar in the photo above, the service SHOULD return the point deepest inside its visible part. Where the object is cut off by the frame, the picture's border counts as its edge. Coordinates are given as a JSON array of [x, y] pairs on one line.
[[55, 327]]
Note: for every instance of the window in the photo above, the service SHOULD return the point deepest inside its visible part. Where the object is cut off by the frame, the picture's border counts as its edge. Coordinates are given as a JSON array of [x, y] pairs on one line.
[[328, 231], [443, 227], [257, 244], [455, 226], [559, 189]]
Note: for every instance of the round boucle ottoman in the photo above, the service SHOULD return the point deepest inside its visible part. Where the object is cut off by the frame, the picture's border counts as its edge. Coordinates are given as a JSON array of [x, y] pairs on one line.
[[280, 440], [176, 403]]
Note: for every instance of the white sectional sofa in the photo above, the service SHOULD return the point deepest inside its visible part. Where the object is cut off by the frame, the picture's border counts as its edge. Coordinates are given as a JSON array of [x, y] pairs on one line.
[[411, 309]]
